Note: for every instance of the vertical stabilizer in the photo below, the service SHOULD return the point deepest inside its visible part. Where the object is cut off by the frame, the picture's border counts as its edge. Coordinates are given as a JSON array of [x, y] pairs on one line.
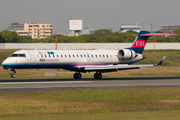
[[140, 42]]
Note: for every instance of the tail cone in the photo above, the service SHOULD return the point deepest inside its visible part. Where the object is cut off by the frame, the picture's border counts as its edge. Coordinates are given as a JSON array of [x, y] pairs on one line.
[[144, 56]]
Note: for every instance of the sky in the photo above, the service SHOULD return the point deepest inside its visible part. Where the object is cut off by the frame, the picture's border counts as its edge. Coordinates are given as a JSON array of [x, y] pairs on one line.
[[95, 13]]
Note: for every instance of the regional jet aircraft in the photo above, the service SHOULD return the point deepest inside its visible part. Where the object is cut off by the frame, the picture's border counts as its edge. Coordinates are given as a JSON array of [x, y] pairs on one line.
[[82, 61]]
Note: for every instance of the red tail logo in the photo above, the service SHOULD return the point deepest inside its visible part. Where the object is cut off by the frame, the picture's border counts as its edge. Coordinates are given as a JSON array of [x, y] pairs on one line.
[[139, 44]]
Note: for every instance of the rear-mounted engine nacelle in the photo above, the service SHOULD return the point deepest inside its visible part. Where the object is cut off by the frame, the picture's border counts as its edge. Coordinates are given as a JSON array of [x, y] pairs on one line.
[[126, 54]]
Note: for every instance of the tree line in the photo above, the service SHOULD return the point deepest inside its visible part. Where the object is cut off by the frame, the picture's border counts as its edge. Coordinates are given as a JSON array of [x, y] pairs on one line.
[[100, 36]]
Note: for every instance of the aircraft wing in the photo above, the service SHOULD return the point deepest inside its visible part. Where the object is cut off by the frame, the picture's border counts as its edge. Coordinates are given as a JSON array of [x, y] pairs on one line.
[[116, 67]]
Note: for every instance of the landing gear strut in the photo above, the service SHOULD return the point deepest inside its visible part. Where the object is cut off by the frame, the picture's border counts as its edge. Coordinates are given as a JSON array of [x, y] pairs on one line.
[[97, 75], [13, 73], [77, 75]]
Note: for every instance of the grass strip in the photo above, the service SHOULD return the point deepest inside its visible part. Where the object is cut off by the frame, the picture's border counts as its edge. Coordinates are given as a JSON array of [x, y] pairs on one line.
[[89, 101], [141, 115]]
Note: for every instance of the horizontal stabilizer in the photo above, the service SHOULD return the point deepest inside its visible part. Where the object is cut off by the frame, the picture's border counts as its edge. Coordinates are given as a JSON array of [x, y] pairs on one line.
[[157, 34]]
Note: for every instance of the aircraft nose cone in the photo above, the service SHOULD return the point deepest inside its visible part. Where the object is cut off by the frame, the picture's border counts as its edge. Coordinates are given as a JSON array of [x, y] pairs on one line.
[[3, 63]]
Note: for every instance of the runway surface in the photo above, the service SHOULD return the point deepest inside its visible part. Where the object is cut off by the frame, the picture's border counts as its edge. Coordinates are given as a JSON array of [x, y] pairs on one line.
[[39, 85]]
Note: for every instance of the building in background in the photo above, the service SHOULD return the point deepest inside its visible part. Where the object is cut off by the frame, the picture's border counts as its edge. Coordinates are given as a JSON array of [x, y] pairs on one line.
[[15, 26], [169, 28], [75, 27], [60, 33], [127, 27], [147, 27], [92, 31], [36, 31], [86, 30]]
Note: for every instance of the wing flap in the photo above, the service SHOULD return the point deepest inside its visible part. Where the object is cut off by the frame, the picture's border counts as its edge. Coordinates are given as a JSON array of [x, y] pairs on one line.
[[108, 67]]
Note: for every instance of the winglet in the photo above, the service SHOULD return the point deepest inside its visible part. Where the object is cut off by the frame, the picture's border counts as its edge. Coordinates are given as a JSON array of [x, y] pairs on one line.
[[160, 63]]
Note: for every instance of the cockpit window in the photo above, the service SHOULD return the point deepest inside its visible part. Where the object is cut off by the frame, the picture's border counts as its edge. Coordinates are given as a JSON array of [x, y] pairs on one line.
[[18, 55], [14, 55], [22, 55]]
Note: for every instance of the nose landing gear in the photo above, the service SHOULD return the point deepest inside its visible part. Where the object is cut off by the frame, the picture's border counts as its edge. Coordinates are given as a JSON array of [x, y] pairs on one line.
[[13, 75], [13, 72]]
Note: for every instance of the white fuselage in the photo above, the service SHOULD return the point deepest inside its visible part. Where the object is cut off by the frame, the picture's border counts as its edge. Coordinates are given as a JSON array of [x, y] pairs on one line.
[[66, 59]]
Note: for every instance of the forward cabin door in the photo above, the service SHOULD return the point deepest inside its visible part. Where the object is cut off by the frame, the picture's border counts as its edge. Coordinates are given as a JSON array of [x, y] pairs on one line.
[[32, 57]]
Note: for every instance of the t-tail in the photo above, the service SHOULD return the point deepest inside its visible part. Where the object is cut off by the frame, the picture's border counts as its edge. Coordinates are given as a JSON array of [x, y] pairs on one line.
[[141, 40]]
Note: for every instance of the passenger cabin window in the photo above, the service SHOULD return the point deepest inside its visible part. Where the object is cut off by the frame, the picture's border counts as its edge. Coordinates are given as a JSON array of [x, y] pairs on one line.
[[77, 56], [84, 55], [103, 56], [45, 55], [69, 55], [99, 55], [49, 55], [57, 55], [61, 55], [81, 55], [92, 56], [107, 56], [73, 56], [41, 55], [96, 55]]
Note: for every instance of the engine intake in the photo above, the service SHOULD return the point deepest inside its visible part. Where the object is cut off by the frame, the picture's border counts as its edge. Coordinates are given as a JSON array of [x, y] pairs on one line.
[[126, 54]]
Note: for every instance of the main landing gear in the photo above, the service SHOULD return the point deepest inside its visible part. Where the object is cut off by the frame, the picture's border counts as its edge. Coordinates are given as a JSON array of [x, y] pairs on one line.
[[97, 75], [77, 75]]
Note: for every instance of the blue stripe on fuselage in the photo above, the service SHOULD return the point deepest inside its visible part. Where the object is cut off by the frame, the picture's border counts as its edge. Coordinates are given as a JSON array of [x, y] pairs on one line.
[[54, 64], [57, 65]]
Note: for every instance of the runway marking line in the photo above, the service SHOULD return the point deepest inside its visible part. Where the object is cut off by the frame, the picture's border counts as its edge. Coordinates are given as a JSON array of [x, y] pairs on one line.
[[89, 86], [44, 82]]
